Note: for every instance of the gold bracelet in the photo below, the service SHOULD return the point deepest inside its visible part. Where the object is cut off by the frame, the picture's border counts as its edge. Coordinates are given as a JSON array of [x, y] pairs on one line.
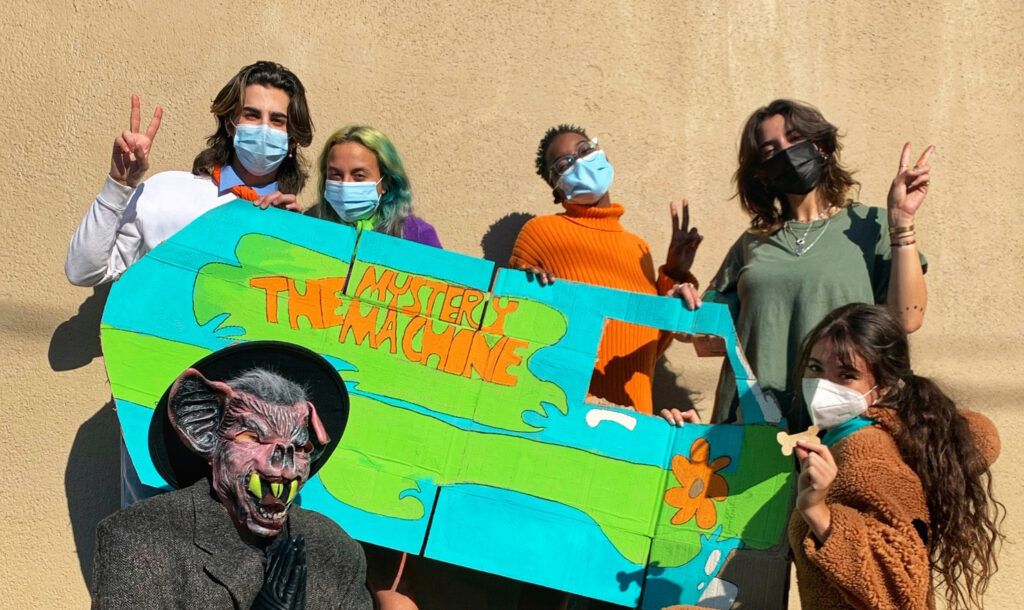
[[900, 244], [896, 230]]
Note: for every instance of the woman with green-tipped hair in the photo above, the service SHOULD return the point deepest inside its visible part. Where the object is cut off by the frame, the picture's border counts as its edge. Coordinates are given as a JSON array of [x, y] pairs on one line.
[[363, 184]]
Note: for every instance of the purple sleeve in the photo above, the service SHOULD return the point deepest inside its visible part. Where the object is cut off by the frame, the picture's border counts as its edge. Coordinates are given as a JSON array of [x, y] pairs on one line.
[[418, 230]]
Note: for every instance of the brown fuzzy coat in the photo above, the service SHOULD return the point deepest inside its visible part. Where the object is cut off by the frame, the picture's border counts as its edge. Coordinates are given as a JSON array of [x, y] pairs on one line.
[[874, 556]]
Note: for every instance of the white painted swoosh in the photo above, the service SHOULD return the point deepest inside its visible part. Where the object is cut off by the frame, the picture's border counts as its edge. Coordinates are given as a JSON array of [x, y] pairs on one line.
[[596, 416]]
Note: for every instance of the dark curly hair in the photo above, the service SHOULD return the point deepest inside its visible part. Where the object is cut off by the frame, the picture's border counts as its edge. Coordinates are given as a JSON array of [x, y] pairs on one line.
[[292, 174], [936, 442], [542, 149], [768, 210]]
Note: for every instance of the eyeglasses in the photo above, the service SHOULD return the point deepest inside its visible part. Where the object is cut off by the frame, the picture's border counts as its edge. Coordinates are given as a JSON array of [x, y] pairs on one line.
[[563, 163]]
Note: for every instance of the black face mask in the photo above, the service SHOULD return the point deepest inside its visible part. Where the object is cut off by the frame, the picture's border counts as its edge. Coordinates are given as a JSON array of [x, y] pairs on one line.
[[794, 171]]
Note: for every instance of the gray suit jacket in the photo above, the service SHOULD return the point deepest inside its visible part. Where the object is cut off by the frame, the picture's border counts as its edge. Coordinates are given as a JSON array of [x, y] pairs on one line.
[[181, 550]]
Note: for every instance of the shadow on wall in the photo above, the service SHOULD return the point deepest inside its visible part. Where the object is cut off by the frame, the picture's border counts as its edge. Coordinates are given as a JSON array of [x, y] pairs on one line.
[[76, 342], [501, 236], [92, 481], [93, 473]]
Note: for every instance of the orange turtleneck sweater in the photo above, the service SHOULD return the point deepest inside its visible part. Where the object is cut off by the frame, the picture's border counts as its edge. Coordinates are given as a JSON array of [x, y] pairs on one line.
[[589, 245]]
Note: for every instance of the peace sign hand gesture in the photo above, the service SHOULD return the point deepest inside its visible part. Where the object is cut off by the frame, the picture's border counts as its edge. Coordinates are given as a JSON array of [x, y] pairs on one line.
[[909, 188], [683, 247], [130, 158]]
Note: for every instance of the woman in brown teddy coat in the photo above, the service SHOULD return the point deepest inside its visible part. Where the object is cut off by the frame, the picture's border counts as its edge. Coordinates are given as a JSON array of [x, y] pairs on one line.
[[899, 490]]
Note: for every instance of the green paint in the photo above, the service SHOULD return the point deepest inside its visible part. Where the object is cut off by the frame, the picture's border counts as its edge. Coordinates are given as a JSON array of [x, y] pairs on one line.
[[386, 450], [756, 509], [135, 375], [380, 370]]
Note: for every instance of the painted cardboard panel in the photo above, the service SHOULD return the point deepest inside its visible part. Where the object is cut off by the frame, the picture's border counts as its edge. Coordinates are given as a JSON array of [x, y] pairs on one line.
[[469, 439]]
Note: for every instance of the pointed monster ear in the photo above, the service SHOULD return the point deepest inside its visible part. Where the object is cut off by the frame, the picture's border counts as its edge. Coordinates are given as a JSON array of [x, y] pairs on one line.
[[195, 406], [318, 426]]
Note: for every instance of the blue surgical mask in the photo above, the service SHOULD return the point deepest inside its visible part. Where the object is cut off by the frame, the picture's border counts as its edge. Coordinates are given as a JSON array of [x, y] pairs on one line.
[[259, 148], [588, 179], [352, 200]]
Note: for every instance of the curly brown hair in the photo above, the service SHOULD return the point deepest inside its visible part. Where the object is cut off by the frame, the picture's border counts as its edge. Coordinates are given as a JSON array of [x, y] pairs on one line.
[[768, 210], [292, 174], [935, 441]]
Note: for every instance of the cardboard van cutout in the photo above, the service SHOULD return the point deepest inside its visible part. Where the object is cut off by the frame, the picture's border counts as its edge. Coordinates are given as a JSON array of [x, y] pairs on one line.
[[468, 438]]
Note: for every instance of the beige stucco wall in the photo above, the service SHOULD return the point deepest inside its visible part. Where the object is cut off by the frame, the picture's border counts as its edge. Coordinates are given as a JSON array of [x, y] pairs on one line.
[[466, 90]]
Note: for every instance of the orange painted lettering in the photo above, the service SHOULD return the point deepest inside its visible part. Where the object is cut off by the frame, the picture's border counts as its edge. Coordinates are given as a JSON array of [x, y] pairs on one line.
[[304, 304], [330, 301], [415, 326], [450, 311], [370, 282], [507, 358], [436, 288], [387, 333], [273, 286], [359, 325], [470, 299], [436, 344], [498, 326], [415, 283], [459, 352], [480, 357], [396, 290]]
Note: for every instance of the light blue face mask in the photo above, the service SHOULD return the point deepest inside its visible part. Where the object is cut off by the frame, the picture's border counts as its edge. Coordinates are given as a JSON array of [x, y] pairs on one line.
[[352, 200], [588, 179], [259, 148]]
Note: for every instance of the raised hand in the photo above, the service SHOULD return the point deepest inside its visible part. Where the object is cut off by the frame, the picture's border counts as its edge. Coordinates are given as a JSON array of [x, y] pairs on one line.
[[909, 188], [817, 472], [683, 247], [130, 158], [278, 199], [284, 583]]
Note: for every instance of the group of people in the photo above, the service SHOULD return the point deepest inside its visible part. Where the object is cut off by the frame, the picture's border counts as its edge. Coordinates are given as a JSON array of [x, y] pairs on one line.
[[822, 291]]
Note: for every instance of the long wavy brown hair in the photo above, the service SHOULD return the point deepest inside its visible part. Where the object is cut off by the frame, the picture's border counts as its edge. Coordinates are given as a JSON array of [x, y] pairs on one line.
[[227, 106], [768, 210], [935, 441]]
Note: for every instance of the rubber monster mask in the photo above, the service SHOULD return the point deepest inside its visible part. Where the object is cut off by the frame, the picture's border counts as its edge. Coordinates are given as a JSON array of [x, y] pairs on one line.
[[259, 433]]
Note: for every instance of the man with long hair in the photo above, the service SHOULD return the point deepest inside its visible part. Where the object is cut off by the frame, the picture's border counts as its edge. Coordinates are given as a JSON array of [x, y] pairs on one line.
[[262, 122]]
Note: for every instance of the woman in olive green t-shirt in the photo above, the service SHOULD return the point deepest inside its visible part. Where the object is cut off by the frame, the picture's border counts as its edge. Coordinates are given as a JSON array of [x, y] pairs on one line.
[[809, 248]]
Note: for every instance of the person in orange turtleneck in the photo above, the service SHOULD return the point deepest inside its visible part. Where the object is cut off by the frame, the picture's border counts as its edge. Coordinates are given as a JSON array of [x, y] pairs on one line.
[[587, 243]]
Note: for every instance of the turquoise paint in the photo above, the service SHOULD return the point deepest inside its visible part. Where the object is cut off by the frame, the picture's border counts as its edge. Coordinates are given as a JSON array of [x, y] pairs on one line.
[[608, 439], [723, 439], [521, 536], [528, 538], [411, 257], [686, 583], [135, 420], [404, 535]]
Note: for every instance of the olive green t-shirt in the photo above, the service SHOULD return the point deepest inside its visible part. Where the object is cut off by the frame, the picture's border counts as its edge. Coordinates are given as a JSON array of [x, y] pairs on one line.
[[777, 297]]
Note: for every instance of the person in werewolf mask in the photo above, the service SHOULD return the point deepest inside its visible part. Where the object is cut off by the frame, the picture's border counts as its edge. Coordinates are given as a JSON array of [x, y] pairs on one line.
[[237, 434]]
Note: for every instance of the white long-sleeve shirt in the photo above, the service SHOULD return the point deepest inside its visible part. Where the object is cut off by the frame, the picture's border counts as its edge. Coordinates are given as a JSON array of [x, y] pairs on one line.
[[125, 223]]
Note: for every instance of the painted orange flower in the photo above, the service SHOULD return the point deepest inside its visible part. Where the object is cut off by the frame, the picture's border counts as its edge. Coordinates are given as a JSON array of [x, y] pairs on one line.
[[699, 484]]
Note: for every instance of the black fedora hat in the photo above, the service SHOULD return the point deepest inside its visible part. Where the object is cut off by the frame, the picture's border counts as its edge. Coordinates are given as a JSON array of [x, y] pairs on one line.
[[181, 467]]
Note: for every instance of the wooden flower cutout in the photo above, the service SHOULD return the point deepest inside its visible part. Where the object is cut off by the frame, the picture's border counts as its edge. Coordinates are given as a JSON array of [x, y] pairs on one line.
[[699, 484]]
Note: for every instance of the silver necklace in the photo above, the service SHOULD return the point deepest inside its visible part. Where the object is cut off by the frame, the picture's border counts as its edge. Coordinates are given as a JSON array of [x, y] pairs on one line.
[[799, 243]]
